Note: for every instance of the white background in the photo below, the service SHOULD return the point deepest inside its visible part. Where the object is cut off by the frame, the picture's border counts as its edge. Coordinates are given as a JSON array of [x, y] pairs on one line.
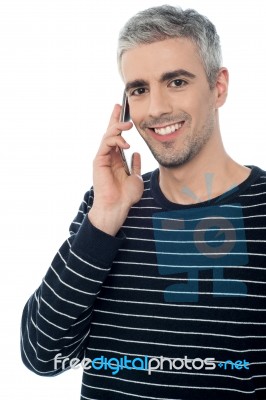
[[58, 85]]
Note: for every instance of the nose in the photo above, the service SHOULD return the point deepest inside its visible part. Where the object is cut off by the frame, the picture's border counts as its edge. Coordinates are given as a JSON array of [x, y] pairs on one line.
[[159, 103]]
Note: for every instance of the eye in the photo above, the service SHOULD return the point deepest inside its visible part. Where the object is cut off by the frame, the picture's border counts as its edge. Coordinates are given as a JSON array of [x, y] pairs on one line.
[[138, 91], [178, 83]]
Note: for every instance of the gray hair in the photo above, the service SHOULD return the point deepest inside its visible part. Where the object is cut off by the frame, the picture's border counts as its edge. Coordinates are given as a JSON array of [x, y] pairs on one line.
[[159, 23]]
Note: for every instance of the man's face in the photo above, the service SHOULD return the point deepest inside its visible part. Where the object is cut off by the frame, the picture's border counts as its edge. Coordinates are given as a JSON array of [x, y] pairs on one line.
[[171, 103]]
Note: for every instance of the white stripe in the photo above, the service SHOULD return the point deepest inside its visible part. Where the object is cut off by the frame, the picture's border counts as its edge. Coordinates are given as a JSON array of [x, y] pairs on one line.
[[182, 319], [189, 254], [82, 276], [79, 341], [120, 391], [76, 223], [150, 207], [134, 263], [183, 305], [252, 195], [199, 219], [183, 292], [46, 334], [160, 385], [32, 366], [51, 323], [61, 298], [82, 212], [178, 332], [187, 230], [87, 263], [161, 278], [258, 184], [56, 311], [84, 319], [254, 205], [182, 346], [152, 240], [69, 286]]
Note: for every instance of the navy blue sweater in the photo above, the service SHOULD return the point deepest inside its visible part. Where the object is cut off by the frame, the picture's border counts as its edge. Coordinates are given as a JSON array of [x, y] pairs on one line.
[[173, 307]]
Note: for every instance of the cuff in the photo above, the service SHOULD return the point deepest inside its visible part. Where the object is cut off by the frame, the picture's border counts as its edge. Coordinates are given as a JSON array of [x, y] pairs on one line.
[[95, 244]]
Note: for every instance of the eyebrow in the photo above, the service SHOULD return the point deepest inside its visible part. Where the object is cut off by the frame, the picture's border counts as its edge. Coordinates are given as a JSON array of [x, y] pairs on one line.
[[176, 74], [164, 77]]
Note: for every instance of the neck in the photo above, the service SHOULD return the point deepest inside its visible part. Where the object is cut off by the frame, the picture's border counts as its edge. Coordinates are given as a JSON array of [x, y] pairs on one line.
[[208, 175]]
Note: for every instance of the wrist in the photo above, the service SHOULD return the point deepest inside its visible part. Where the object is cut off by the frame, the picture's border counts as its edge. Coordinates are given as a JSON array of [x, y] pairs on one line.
[[108, 221]]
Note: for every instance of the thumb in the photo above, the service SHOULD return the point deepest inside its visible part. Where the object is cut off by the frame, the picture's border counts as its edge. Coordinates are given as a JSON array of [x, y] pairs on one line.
[[136, 164]]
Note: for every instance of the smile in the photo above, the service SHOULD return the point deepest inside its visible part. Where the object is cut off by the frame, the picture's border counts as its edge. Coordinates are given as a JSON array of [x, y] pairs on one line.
[[166, 130]]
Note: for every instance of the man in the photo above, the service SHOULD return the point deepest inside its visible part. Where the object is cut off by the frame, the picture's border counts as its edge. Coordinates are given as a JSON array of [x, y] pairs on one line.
[[160, 289]]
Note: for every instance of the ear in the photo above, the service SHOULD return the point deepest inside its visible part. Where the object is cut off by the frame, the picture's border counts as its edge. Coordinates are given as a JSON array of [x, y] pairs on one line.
[[221, 87]]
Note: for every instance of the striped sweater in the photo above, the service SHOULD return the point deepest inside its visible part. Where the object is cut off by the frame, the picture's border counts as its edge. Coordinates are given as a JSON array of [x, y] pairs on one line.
[[173, 307]]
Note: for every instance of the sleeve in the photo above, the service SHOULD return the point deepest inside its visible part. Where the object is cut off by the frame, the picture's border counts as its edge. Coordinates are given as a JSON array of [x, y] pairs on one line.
[[56, 319]]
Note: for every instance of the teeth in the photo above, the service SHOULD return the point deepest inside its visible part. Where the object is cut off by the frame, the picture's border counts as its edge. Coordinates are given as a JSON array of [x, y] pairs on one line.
[[167, 129]]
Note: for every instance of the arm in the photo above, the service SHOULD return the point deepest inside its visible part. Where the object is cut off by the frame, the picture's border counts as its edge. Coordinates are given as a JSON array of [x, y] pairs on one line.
[[56, 319]]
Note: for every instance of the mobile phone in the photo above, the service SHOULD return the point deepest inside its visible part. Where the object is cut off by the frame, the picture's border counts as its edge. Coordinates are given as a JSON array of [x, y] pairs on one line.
[[124, 117]]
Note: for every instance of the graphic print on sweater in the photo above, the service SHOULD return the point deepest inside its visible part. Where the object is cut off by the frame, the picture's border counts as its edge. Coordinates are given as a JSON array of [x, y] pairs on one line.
[[192, 240]]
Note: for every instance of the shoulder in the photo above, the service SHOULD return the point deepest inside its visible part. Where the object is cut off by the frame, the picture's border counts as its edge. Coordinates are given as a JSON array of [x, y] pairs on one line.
[[257, 176]]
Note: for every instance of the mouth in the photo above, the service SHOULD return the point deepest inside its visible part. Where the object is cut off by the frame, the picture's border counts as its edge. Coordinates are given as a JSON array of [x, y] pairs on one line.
[[169, 129], [167, 132]]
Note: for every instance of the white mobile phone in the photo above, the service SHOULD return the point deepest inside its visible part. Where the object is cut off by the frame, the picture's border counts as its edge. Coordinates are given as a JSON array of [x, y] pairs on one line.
[[124, 117]]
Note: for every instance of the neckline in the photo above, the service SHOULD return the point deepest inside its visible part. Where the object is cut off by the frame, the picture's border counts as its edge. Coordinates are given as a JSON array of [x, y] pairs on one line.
[[226, 197]]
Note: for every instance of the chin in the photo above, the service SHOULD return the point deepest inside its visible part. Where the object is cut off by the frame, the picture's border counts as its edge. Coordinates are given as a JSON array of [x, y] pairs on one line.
[[174, 162]]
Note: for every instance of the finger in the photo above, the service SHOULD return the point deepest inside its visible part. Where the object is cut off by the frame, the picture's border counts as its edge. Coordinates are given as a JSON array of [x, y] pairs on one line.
[[115, 115], [136, 164], [117, 128], [111, 142]]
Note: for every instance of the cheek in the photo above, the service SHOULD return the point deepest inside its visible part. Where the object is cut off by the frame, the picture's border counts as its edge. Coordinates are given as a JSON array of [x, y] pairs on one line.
[[137, 113], [201, 106], [189, 102]]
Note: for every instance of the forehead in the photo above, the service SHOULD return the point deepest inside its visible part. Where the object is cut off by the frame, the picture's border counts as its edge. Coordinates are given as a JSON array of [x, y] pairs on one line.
[[150, 61]]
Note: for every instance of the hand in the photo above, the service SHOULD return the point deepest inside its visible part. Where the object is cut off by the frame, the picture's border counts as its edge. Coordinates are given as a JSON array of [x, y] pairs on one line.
[[114, 191]]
